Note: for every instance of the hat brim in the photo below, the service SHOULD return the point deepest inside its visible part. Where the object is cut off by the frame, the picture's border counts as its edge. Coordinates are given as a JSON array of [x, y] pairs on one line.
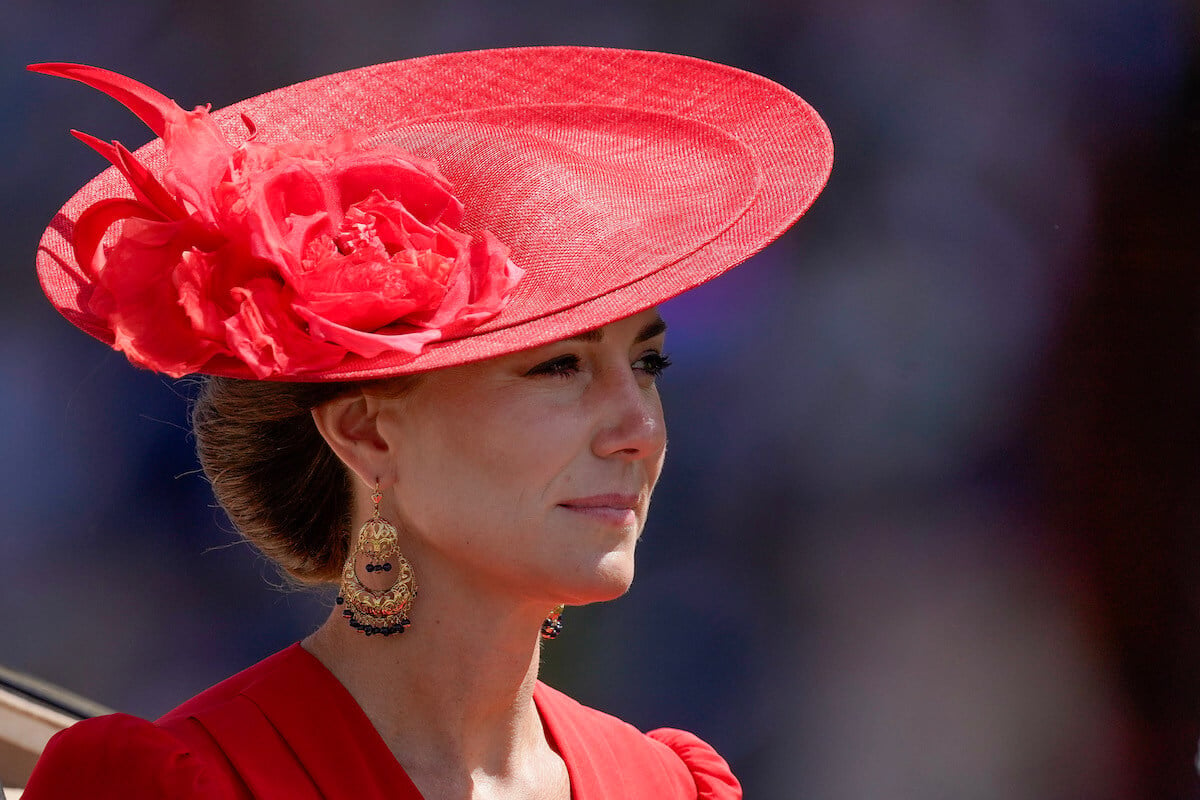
[[786, 149]]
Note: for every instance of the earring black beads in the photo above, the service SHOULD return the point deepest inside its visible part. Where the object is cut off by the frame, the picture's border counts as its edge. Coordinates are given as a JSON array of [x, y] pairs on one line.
[[552, 626]]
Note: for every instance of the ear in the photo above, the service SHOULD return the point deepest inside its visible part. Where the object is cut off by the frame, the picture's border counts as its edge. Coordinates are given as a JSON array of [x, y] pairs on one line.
[[350, 425]]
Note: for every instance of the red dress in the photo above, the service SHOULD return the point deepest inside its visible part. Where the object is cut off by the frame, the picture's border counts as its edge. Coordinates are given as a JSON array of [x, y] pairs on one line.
[[286, 728]]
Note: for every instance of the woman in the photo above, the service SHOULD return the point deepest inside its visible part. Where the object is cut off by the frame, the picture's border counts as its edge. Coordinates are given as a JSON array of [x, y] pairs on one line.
[[426, 294]]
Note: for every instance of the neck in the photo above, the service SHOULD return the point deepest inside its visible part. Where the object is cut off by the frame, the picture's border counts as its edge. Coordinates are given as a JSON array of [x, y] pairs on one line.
[[452, 695]]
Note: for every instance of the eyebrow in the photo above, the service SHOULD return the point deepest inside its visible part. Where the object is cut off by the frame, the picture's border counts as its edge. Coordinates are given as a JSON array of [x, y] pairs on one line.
[[655, 327]]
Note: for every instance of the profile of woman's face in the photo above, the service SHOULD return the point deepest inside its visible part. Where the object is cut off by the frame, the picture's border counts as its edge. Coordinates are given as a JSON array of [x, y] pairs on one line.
[[531, 473]]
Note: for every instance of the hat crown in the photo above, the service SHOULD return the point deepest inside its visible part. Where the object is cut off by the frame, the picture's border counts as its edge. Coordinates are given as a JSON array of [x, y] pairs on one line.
[[575, 190]]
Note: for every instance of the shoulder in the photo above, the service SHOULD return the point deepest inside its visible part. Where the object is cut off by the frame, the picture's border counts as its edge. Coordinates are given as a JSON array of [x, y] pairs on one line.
[[122, 756], [119, 756], [714, 779], [677, 762], [280, 667]]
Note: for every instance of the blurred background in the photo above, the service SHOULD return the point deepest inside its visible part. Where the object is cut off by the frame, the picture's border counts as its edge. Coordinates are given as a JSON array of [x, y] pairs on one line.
[[930, 524]]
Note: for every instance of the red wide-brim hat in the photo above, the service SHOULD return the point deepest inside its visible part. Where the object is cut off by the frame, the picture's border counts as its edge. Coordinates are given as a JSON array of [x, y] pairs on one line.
[[425, 213]]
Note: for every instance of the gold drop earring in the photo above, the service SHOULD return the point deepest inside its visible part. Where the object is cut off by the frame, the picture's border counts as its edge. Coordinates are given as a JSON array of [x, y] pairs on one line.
[[377, 611], [553, 626]]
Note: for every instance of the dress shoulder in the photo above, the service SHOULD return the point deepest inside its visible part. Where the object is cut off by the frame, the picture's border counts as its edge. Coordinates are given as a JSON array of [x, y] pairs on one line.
[[120, 757], [714, 779], [608, 757]]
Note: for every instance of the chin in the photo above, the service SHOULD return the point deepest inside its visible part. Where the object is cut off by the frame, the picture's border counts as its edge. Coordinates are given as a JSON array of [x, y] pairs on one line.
[[608, 580]]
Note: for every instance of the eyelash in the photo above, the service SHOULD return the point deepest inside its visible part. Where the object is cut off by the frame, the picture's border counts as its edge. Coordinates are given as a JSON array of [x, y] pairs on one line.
[[653, 364], [561, 366]]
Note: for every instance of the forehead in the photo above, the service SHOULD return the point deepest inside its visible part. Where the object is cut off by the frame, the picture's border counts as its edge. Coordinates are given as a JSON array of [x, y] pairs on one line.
[[640, 327], [629, 331]]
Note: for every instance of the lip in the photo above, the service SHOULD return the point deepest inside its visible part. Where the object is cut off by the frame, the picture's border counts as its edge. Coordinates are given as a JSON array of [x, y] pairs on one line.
[[615, 509]]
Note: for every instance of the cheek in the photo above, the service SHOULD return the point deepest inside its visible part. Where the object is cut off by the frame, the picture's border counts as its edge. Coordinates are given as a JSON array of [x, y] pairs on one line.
[[657, 465], [481, 459], [526, 453], [655, 462]]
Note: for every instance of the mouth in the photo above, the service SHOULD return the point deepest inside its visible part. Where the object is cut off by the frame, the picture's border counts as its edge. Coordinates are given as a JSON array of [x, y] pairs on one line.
[[614, 509]]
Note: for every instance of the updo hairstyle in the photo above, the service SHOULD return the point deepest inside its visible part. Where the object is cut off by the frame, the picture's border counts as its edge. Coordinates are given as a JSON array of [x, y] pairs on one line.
[[278, 480]]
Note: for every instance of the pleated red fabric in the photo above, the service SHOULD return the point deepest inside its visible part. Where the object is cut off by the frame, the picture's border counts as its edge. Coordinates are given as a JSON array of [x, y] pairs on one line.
[[287, 729]]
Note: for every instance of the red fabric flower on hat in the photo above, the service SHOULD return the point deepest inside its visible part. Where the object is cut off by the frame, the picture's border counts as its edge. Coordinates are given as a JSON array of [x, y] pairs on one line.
[[284, 257]]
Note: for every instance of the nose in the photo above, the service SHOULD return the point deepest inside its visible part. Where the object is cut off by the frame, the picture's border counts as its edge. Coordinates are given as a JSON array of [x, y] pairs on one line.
[[631, 424]]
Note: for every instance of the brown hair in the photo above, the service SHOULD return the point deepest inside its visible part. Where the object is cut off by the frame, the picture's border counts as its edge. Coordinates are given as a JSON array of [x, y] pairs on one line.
[[278, 480]]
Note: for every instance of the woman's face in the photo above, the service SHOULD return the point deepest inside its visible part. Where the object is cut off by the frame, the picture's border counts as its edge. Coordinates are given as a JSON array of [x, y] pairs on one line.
[[530, 474]]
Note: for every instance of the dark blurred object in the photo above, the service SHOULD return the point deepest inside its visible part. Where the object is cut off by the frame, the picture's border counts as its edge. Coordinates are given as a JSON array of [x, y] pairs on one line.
[[1119, 431]]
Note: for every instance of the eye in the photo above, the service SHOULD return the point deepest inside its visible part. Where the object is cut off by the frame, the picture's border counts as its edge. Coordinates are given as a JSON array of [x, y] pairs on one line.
[[653, 364], [562, 366]]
